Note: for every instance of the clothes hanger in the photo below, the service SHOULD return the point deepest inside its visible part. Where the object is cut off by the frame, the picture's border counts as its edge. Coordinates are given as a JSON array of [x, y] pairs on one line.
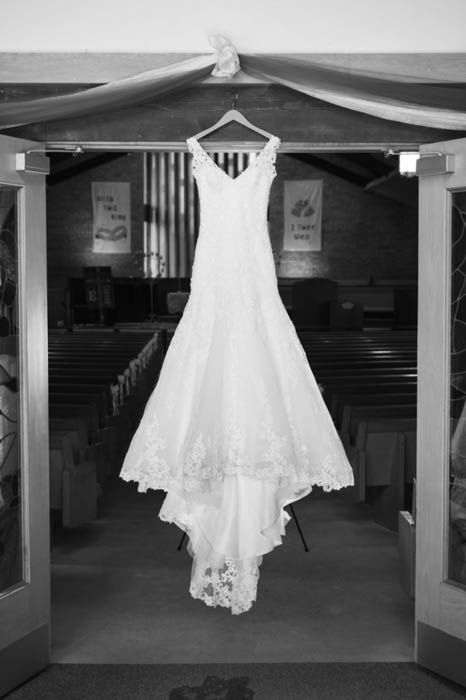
[[233, 115]]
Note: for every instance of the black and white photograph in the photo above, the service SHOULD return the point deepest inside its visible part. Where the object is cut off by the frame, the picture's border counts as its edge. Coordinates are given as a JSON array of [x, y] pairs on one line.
[[233, 350]]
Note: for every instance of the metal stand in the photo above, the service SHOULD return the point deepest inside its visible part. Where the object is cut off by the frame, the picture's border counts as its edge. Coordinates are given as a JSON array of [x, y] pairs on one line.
[[306, 548]]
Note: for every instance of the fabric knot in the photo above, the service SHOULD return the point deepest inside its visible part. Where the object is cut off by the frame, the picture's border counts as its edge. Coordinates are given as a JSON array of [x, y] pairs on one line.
[[227, 57]]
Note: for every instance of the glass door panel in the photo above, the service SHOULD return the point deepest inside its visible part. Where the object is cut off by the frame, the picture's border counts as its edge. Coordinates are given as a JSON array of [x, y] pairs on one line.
[[24, 475], [11, 502], [441, 425], [457, 481]]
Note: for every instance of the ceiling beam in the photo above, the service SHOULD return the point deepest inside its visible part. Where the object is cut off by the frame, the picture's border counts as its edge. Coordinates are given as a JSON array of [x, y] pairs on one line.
[[377, 165], [71, 166], [390, 186], [331, 168]]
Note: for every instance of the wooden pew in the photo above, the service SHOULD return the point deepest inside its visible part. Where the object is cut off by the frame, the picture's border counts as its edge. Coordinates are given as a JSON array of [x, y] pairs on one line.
[[336, 398], [352, 413], [87, 441], [388, 465]]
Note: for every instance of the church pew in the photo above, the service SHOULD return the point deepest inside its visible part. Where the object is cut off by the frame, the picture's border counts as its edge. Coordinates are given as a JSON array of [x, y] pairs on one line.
[[73, 436], [337, 397], [95, 453], [75, 425], [362, 420], [84, 375], [360, 355], [107, 436], [82, 370], [330, 373], [407, 551], [354, 401], [98, 447], [379, 377], [352, 413], [360, 359], [410, 461], [70, 410], [80, 493], [388, 482], [92, 400], [61, 456], [385, 476], [91, 363], [103, 391], [73, 481], [337, 349], [377, 425]]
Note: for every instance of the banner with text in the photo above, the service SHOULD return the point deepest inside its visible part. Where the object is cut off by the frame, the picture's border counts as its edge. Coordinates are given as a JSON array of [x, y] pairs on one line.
[[111, 208], [302, 215]]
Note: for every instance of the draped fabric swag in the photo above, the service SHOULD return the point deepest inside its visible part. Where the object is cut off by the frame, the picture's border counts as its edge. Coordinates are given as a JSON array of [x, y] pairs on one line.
[[441, 106]]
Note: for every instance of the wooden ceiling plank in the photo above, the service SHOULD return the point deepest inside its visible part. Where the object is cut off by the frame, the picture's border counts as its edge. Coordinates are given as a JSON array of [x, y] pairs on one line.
[[303, 123]]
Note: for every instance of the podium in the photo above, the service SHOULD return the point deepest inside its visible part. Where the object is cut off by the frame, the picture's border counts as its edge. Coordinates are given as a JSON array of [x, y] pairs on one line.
[[99, 293]]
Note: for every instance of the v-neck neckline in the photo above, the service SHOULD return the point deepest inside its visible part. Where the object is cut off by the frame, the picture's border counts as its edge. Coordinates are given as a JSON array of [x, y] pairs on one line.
[[233, 179]]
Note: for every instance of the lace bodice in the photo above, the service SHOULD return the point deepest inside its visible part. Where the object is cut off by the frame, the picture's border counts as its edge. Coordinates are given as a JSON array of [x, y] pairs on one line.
[[266, 157], [233, 253]]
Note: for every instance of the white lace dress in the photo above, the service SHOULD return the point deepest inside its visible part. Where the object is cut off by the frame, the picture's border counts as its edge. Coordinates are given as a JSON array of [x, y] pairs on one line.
[[236, 427]]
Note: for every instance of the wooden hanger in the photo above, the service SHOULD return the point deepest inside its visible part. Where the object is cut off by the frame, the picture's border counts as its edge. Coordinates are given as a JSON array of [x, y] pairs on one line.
[[233, 115]]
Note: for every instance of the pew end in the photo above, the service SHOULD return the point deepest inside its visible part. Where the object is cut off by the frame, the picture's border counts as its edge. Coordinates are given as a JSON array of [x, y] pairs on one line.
[[407, 551]]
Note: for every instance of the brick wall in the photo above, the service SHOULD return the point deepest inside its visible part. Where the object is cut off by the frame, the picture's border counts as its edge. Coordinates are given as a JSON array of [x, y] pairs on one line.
[[363, 234], [69, 222]]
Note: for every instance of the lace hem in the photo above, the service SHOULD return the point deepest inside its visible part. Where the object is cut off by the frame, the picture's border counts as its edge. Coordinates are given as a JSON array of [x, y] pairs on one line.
[[282, 462], [328, 480], [218, 578], [228, 587], [232, 585]]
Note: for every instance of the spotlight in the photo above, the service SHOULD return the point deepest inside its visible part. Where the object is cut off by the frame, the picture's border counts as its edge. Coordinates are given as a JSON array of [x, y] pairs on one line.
[[407, 163]]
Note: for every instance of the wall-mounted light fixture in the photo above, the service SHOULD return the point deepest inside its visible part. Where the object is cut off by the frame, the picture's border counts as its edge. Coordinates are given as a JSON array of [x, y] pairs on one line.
[[407, 163]]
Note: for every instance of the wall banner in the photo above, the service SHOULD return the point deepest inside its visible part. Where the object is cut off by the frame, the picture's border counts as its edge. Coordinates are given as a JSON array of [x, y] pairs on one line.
[[302, 214], [111, 208]]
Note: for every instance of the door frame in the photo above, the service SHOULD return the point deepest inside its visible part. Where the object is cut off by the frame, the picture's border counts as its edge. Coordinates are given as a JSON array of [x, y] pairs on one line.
[[25, 606], [440, 603], [287, 147]]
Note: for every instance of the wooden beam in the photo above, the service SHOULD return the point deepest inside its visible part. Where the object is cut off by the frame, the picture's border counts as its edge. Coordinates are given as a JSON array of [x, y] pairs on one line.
[[323, 164], [303, 123], [74, 165], [94, 68], [377, 165], [391, 186]]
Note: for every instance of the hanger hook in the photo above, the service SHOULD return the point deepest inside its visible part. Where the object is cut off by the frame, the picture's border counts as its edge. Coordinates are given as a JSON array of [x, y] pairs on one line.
[[235, 100]]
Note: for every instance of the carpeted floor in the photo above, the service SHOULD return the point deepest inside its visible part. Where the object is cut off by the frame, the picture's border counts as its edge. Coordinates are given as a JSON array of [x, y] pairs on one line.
[[120, 592], [358, 681]]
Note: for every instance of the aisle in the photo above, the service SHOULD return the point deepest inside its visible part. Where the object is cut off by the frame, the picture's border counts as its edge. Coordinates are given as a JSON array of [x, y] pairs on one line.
[[120, 592]]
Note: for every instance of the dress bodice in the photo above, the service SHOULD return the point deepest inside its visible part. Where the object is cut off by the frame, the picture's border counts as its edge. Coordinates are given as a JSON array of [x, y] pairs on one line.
[[233, 248]]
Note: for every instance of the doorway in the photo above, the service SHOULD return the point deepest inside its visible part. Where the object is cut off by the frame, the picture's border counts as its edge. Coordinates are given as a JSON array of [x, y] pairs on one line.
[[126, 566], [436, 620]]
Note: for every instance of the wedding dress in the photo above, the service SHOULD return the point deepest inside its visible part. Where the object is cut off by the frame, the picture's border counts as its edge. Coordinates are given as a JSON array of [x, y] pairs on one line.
[[236, 427]]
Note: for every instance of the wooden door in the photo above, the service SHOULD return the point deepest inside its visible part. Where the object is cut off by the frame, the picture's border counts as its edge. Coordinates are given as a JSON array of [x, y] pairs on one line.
[[441, 438], [24, 479]]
